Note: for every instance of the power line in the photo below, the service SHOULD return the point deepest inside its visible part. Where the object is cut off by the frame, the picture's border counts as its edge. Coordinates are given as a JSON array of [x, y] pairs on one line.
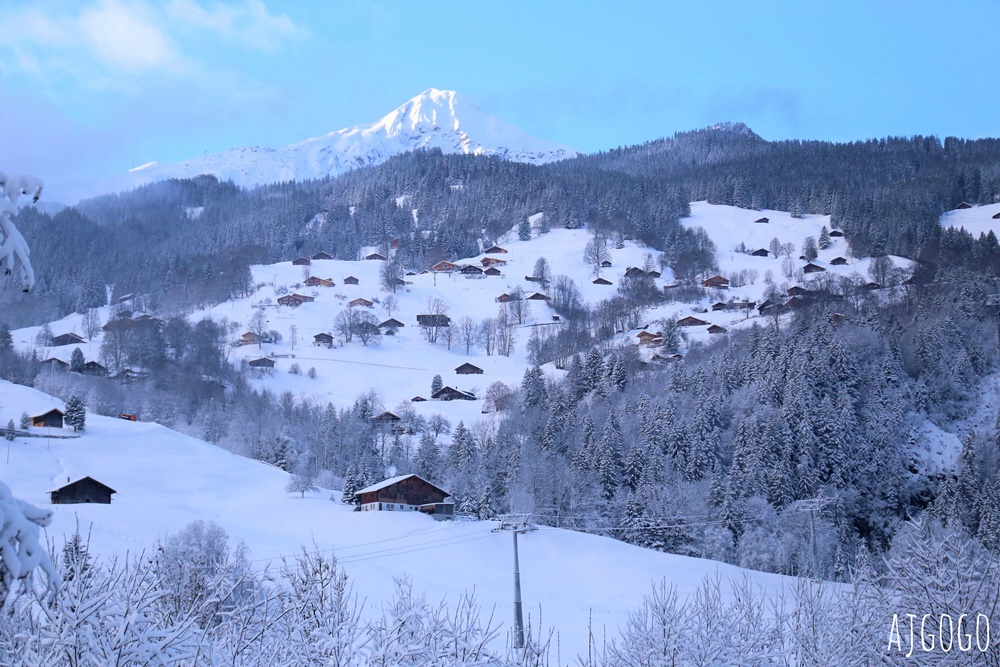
[[359, 363]]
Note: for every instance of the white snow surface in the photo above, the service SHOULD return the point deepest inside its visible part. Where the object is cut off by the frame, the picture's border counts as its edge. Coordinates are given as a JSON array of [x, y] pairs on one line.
[[164, 480], [435, 118], [976, 220]]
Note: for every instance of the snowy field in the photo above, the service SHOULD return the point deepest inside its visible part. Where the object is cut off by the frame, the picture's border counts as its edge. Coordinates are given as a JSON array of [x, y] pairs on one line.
[[976, 220], [164, 480]]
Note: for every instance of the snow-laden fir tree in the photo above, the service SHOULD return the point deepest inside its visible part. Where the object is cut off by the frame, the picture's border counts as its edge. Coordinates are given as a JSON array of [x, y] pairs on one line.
[[76, 413], [9, 435]]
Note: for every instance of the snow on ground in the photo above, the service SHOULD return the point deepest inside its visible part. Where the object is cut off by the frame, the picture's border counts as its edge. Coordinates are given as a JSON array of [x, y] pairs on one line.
[[976, 220], [401, 367], [164, 480]]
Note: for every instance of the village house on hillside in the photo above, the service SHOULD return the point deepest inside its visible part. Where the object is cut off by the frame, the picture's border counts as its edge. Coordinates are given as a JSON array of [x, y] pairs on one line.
[[762, 220], [86, 490], [406, 493], [715, 282], [391, 323], [67, 339], [350, 280], [301, 261], [602, 281], [690, 321], [360, 303], [51, 419], [323, 339], [492, 271], [322, 255], [376, 256], [495, 250], [313, 281], [444, 266], [450, 394], [648, 338], [263, 363], [249, 338], [289, 300], [469, 369]]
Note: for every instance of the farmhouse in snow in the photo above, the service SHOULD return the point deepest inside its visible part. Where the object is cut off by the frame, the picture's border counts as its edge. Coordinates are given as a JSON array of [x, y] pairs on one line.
[[86, 490], [406, 493], [53, 418]]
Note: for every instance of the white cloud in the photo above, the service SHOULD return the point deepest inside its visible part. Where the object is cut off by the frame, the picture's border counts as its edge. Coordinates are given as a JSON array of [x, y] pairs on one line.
[[127, 37], [246, 21]]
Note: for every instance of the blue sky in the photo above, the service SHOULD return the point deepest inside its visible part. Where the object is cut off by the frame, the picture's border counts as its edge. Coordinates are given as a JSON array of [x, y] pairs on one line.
[[91, 87]]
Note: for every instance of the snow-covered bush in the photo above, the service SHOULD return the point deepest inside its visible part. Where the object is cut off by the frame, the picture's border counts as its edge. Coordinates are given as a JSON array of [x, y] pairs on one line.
[[21, 553], [14, 250]]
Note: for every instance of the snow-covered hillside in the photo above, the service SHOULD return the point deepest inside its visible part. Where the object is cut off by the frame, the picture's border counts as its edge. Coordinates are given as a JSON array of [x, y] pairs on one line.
[[433, 119], [976, 220], [402, 366], [164, 480]]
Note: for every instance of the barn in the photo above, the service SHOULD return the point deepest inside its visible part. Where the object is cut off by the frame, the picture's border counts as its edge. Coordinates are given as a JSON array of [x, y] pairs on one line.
[[263, 362], [53, 418], [323, 339], [86, 490], [406, 493], [690, 321], [602, 281], [301, 261], [67, 339], [322, 255], [350, 280], [450, 394], [469, 369]]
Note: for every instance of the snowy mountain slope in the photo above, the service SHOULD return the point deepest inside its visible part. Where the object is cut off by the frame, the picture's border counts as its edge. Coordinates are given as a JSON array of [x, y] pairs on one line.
[[976, 220], [401, 367], [433, 119], [164, 480]]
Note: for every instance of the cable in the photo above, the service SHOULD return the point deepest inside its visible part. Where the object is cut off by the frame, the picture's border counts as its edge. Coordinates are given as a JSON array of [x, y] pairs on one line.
[[359, 363]]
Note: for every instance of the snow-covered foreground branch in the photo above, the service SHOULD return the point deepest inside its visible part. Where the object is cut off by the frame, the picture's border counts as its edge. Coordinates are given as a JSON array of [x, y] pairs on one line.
[[196, 602], [21, 552], [14, 250]]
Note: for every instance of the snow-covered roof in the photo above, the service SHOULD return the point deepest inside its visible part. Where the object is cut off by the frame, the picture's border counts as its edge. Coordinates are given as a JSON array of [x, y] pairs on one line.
[[394, 480]]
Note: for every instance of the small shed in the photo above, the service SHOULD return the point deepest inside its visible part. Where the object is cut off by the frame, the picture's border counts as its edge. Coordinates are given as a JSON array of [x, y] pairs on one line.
[[495, 250], [53, 418], [763, 221], [606, 264], [376, 255], [313, 281], [55, 364], [67, 339], [406, 493], [505, 298], [838, 261], [602, 281], [761, 252], [350, 280], [263, 362], [301, 261], [323, 339], [359, 302], [797, 290], [963, 205], [417, 399], [493, 271], [444, 265], [634, 272], [85, 490], [469, 369], [471, 270], [386, 418], [94, 368], [391, 323], [996, 216], [813, 267], [322, 255], [538, 296], [716, 329], [836, 233]]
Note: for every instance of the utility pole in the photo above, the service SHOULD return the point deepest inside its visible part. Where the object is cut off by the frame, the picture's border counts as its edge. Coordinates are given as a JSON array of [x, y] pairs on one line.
[[813, 505], [516, 523]]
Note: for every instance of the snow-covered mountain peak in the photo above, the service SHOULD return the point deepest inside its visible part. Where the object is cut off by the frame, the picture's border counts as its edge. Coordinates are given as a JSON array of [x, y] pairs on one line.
[[435, 118]]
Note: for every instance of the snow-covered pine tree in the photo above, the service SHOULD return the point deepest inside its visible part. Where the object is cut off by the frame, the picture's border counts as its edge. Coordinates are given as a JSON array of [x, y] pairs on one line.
[[25, 421], [9, 435], [76, 360], [76, 413]]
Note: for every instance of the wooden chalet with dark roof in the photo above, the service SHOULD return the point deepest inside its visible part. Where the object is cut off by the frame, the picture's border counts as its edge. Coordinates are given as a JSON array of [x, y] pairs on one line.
[[836, 233], [418, 399], [996, 216], [504, 298], [391, 323], [495, 250], [648, 338], [93, 368], [691, 321], [963, 205], [322, 255], [760, 252], [471, 270], [304, 297], [451, 394], [444, 266], [797, 290], [249, 338], [263, 362], [716, 329], [350, 280], [323, 340], [67, 339], [634, 272], [715, 282], [538, 296], [602, 281], [313, 281], [301, 261], [85, 490], [492, 261], [762, 221], [813, 267], [838, 261], [376, 256], [492, 271], [406, 493], [360, 303], [291, 300], [55, 364], [606, 264], [469, 369], [386, 418], [51, 419]]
